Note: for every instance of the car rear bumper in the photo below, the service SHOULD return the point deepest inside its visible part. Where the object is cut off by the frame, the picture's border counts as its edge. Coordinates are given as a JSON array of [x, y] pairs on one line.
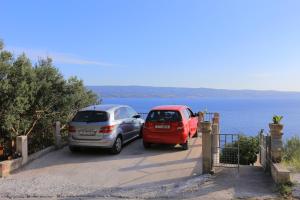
[[103, 143], [164, 138]]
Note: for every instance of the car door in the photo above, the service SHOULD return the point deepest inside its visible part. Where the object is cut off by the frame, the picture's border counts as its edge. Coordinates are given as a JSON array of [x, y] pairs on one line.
[[122, 116], [127, 122], [136, 122], [193, 122]]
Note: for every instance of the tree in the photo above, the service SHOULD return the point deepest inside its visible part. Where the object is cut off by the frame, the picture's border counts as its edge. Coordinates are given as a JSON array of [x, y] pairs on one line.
[[36, 96]]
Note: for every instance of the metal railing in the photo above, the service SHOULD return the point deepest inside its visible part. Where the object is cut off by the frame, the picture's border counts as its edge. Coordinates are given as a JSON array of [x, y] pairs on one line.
[[265, 150], [208, 116], [143, 115], [226, 150], [4, 144]]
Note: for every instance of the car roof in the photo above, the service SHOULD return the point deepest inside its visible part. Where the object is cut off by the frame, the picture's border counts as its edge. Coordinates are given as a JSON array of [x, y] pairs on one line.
[[170, 107], [103, 107]]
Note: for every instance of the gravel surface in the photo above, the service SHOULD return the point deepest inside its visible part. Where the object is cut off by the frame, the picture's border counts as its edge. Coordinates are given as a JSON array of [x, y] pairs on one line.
[[98, 173], [296, 191], [162, 172]]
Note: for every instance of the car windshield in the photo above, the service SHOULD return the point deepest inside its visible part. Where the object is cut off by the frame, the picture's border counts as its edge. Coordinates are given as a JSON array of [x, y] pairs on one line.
[[91, 116], [163, 116]]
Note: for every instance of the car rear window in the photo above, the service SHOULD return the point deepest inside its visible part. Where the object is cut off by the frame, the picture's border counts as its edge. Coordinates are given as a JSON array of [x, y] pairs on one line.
[[90, 116], [164, 116]]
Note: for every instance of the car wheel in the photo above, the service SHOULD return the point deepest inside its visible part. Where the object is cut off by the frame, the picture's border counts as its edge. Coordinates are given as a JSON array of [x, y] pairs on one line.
[[141, 133], [117, 147], [147, 145], [74, 149], [196, 134], [185, 146]]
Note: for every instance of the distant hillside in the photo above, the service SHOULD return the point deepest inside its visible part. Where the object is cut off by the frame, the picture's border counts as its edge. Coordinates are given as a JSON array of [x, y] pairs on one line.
[[173, 92]]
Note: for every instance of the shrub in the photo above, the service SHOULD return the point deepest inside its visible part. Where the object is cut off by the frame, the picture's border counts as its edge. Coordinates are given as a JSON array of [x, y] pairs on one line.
[[285, 189], [249, 148], [291, 153]]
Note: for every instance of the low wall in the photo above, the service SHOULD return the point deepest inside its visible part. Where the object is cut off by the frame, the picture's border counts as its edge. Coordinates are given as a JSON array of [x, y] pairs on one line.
[[280, 174], [8, 166]]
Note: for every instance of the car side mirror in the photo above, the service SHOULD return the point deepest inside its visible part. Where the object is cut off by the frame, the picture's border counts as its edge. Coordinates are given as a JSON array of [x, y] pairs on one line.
[[137, 116]]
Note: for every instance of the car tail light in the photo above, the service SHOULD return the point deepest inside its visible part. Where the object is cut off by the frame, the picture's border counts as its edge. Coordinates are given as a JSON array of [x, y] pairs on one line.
[[72, 129], [148, 124], [180, 125], [107, 129]]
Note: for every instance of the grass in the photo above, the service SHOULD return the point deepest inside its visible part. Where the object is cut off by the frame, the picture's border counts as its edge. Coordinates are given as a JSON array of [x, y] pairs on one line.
[[285, 190], [291, 154]]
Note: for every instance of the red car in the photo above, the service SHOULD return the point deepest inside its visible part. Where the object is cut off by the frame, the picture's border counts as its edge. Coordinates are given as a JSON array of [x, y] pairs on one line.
[[171, 124]]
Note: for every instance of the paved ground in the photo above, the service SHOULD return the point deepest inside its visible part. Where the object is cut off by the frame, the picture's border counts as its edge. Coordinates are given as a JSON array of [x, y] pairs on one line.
[[296, 180], [159, 173], [62, 173]]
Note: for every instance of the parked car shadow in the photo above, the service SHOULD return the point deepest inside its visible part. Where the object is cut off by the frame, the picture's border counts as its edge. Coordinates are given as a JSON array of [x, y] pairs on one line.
[[131, 150], [251, 182]]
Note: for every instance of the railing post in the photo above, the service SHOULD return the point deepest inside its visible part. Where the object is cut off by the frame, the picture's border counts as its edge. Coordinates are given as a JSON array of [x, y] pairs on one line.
[[215, 138], [206, 130], [22, 148], [57, 135]]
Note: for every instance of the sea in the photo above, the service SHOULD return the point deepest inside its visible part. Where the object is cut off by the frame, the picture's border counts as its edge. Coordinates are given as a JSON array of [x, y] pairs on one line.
[[242, 116]]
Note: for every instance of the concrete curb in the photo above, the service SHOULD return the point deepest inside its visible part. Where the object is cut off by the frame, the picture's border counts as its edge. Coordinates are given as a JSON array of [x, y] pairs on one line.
[[8, 166], [38, 154]]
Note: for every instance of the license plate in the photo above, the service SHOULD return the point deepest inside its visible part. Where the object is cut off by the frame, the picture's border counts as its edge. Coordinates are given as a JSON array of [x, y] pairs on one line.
[[83, 133], [163, 126]]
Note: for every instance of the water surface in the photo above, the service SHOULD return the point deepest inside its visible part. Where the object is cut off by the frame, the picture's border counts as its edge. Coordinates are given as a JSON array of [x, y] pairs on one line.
[[246, 116]]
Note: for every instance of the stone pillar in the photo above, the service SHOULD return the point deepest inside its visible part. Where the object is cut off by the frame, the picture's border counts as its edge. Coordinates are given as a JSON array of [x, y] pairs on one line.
[[216, 118], [206, 147], [276, 142], [57, 135], [200, 119], [22, 148], [215, 144]]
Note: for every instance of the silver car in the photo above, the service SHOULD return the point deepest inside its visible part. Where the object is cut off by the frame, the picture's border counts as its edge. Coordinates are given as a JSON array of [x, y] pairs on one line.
[[105, 126]]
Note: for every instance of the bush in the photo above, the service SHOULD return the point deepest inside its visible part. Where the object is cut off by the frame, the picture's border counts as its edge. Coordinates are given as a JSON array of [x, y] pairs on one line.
[[249, 148], [285, 189], [291, 153], [33, 97]]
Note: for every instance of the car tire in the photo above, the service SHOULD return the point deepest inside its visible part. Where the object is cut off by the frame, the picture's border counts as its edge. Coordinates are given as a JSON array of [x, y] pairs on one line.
[[196, 134], [117, 147], [185, 146], [141, 133], [147, 145], [74, 149]]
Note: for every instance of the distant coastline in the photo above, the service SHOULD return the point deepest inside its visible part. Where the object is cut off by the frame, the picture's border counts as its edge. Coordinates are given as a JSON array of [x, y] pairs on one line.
[[176, 92]]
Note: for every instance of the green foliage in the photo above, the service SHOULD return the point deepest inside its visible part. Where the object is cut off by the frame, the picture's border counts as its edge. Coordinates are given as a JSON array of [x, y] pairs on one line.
[[291, 153], [285, 189], [34, 97], [249, 148], [277, 119]]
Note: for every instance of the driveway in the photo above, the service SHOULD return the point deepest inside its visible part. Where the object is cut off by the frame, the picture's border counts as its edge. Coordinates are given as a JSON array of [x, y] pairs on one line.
[[296, 180], [98, 173]]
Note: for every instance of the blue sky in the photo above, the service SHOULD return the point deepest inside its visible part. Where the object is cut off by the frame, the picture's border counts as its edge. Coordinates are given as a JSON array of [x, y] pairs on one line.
[[217, 44]]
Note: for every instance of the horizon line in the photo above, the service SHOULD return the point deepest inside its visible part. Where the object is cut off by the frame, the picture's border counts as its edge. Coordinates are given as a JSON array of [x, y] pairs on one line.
[[182, 87]]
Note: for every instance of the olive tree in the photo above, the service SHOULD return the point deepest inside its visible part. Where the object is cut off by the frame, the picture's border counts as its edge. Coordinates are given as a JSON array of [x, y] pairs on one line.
[[34, 96]]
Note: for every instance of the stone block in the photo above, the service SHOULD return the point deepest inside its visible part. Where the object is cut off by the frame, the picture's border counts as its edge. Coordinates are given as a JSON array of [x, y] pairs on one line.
[[8, 166], [22, 148], [280, 174]]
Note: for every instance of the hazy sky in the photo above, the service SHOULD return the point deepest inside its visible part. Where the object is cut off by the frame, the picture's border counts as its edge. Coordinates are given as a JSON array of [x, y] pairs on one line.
[[219, 44]]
